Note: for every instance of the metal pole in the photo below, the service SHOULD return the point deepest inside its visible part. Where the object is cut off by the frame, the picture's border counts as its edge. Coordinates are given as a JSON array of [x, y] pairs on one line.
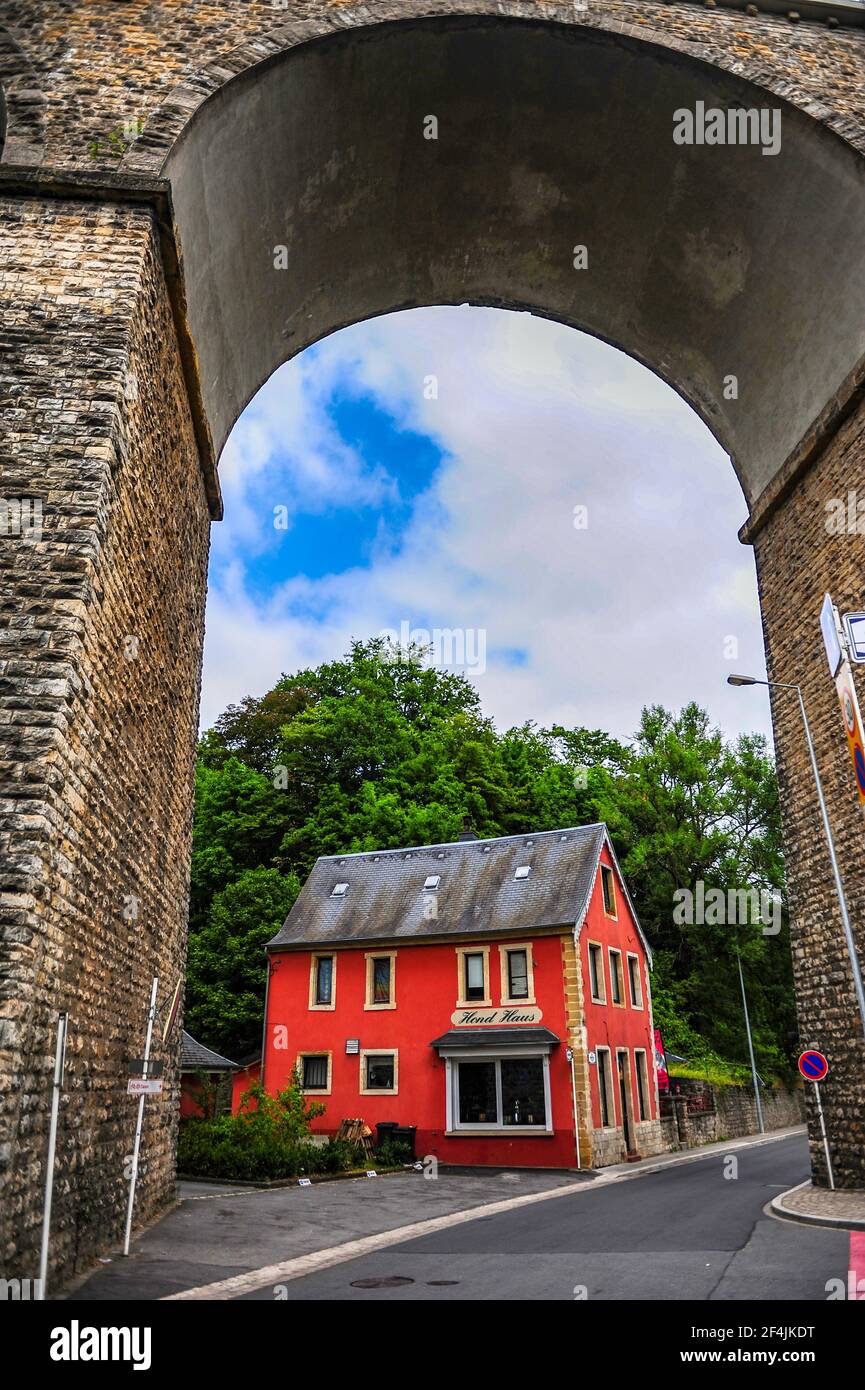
[[59, 1061], [839, 886], [151, 1014], [750, 1045], [823, 1132], [576, 1111]]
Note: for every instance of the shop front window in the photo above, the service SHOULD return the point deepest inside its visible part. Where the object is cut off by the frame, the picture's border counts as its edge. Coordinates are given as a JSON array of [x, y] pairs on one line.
[[502, 1093], [477, 1091], [523, 1091]]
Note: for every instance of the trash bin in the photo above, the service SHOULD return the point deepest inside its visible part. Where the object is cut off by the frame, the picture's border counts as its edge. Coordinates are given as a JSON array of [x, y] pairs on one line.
[[404, 1136], [385, 1132]]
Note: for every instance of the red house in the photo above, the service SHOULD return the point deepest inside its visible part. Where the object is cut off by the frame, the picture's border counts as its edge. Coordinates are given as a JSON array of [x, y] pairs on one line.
[[492, 993]]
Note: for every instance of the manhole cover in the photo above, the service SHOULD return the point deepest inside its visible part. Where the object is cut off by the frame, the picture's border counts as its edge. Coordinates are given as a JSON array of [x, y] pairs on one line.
[[390, 1281], [440, 1283]]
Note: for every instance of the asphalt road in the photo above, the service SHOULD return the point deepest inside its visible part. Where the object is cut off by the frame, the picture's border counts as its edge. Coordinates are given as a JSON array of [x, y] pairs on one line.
[[688, 1232]]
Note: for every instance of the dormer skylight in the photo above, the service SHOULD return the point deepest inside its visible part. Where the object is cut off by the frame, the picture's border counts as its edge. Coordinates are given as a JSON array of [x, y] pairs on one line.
[[523, 871], [339, 890], [432, 881]]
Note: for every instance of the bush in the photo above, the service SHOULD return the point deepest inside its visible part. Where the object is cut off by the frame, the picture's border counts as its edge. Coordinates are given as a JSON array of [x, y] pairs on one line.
[[268, 1138], [392, 1155]]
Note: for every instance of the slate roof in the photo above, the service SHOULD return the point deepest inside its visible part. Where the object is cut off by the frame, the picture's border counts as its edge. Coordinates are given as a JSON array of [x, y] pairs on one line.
[[194, 1056], [477, 893]]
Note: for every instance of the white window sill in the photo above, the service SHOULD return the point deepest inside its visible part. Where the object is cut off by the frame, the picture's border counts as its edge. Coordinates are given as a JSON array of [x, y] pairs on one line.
[[500, 1132]]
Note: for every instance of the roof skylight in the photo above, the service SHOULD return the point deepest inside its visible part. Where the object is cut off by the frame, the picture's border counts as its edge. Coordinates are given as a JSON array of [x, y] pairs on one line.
[[523, 871], [432, 881], [339, 890]]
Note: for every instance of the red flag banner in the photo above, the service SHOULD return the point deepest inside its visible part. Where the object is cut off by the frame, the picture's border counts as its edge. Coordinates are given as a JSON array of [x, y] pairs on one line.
[[661, 1062]]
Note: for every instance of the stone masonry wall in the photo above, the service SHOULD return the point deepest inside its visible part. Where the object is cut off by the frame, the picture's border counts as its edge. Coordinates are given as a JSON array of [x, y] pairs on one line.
[[734, 1115], [798, 560], [85, 68], [100, 644]]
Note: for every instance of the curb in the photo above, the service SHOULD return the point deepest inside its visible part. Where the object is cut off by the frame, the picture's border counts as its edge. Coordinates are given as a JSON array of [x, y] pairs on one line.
[[803, 1218], [271, 1184]]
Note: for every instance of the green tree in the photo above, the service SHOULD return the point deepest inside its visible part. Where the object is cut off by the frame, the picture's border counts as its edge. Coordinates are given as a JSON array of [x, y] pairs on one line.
[[227, 965], [379, 750]]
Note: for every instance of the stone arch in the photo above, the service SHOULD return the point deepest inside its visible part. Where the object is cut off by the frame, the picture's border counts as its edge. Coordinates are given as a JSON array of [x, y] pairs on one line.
[[22, 125], [708, 276], [166, 124]]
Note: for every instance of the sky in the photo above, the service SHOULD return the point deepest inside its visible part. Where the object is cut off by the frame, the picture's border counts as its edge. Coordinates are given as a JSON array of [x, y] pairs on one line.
[[551, 509]]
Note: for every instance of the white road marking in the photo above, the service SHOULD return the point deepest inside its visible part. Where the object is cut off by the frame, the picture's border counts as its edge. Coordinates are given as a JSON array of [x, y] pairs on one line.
[[317, 1260]]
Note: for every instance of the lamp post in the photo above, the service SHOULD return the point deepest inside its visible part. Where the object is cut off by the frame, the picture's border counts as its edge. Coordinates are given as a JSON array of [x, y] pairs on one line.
[[836, 872]]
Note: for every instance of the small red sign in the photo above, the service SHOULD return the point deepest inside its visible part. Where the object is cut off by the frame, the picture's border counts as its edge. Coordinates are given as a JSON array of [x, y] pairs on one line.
[[813, 1065]]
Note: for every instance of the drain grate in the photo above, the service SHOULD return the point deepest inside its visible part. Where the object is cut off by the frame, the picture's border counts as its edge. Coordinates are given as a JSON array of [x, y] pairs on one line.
[[388, 1281], [440, 1283]]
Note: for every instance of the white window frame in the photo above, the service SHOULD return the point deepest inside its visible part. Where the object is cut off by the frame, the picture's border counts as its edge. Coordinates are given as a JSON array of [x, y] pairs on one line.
[[640, 1052], [315, 1052], [610, 875], [365, 1090], [606, 1053], [504, 968], [452, 1120], [371, 956], [621, 1002], [602, 998], [313, 981], [638, 1002], [462, 1002]]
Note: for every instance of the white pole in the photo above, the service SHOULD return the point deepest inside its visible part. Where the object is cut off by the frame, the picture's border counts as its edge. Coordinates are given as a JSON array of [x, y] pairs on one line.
[[858, 988], [151, 1014], [59, 1061], [823, 1132], [750, 1047]]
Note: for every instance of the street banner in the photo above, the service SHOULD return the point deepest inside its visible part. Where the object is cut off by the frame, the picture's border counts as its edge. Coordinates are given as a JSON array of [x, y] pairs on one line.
[[661, 1062]]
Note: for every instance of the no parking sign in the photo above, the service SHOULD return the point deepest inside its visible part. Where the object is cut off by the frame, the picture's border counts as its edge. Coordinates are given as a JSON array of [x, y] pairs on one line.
[[814, 1067]]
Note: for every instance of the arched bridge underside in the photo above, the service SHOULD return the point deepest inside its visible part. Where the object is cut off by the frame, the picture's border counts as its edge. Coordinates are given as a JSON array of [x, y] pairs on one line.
[[223, 185]]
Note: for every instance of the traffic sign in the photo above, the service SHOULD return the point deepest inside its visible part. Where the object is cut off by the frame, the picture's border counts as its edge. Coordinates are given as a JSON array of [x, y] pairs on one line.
[[143, 1086], [829, 629], [852, 726], [813, 1065], [854, 628], [139, 1065]]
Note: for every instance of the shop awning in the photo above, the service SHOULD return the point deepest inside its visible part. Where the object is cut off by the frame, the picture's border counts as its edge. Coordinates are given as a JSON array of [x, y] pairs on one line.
[[489, 1039]]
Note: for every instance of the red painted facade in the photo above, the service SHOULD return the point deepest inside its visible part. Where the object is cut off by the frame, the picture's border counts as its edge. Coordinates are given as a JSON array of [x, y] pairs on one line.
[[612, 1026], [424, 1006]]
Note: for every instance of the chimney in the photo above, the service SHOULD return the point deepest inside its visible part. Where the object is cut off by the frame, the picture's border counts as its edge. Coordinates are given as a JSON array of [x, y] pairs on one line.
[[468, 830]]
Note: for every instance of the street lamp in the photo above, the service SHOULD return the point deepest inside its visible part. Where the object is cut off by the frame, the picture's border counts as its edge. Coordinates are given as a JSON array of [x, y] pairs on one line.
[[836, 872]]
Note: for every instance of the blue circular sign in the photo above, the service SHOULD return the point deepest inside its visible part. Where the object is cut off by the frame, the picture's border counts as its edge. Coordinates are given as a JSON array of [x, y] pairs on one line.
[[813, 1065]]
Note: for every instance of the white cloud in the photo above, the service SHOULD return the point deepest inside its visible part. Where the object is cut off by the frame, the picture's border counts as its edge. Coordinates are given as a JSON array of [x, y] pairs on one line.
[[534, 419]]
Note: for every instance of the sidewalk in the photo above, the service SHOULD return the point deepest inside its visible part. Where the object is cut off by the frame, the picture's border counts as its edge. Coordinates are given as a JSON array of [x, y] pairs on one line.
[[817, 1206]]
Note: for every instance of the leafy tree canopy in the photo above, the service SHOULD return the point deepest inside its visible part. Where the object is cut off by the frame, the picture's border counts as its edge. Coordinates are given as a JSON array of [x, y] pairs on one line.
[[379, 750]]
